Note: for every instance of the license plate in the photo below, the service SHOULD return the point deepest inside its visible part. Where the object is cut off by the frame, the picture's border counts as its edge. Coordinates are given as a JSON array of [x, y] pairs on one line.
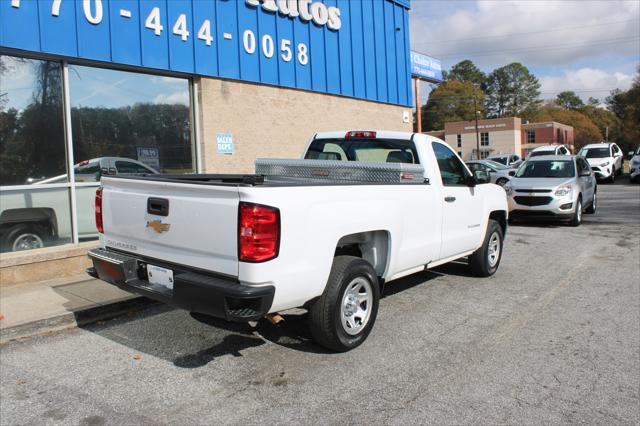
[[160, 276]]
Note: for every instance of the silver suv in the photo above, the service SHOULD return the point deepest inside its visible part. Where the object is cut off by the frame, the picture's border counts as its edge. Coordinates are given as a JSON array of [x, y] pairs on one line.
[[557, 187]]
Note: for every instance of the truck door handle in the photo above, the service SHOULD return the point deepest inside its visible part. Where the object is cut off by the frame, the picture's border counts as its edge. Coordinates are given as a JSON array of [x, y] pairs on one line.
[[158, 206], [449, 199]]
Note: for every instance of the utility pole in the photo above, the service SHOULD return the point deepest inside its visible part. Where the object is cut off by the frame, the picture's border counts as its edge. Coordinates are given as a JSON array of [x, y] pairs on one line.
[[475, 109], [418, 106]]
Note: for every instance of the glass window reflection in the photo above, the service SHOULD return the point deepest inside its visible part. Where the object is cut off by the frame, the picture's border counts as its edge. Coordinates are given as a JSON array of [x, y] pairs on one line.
[[32, 145], [120, 116]]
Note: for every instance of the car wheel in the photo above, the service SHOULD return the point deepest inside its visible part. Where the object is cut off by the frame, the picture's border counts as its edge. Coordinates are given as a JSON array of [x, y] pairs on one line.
[[576, 220], [342, 318], [592, 207], [502, 181], [484, 262], [24, 237]]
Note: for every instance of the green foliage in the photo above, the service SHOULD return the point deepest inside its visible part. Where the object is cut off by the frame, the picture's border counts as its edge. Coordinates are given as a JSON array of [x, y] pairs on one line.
[[604, 120], [593, 101], [626, 106], [466, 72], [569, 100], [452, 101], [511, 91], [585, 131]]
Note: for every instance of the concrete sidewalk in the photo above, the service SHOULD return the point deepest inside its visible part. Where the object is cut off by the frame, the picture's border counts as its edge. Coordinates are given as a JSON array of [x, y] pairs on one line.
[[36, 308]]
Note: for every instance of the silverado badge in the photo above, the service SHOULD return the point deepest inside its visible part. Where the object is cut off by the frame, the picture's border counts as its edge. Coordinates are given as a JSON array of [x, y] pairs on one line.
[[158, 226]]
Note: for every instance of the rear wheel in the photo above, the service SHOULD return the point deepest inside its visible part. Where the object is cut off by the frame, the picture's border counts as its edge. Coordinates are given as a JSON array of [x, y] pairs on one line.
[[592, 207], [484, 262], [342, 318], [24, 237], [576, 220]]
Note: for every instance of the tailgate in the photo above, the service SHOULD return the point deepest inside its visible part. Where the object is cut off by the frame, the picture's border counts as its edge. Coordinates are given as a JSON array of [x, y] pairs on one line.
[[198, 230]]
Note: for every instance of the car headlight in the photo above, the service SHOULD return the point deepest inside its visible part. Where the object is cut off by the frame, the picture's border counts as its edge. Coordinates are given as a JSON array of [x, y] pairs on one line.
[[563, 190], [605, 164], [507, 188]]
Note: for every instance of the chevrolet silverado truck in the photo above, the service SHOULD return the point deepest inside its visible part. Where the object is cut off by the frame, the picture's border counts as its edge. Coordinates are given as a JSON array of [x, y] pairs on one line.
[[324, 233]]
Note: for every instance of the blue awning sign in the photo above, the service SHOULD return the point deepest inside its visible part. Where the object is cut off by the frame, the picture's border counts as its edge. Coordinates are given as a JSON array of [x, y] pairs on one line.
[[426, 67]]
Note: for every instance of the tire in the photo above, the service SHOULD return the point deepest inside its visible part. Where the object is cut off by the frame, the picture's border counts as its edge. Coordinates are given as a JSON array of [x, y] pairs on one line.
[[24, 237], [485, 261], [502, 181], [576, 220], [336, 320], [593, 206]]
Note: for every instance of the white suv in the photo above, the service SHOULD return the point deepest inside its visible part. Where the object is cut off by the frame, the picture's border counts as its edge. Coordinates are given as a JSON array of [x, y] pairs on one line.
[[606, 159], [554, 149]]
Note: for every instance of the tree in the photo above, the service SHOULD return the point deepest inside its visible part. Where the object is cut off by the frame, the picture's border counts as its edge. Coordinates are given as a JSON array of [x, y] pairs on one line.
[[452, 101], [512, 91], [584, 130], [605, 120], [569, 100], [593, 101], [466, 72], [626, 106]]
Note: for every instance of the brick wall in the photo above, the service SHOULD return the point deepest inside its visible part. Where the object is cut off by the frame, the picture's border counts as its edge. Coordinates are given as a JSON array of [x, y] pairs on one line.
[[276, 122]]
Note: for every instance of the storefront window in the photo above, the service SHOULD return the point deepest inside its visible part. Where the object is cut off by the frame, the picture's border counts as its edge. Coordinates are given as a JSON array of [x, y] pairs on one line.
[[125, 123], [127, 117], [34, 194], [32, 147], [121, 123]]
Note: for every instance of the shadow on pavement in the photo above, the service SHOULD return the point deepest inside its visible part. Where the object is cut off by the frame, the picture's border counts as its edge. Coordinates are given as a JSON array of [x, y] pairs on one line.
[[195, 340]]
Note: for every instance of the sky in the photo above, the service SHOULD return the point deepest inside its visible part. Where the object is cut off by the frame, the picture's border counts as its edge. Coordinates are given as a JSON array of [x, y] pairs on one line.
[[95, 87], [590, 47]]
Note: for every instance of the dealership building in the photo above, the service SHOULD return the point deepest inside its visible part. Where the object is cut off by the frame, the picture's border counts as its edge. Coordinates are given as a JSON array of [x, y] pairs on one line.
[[98, 87], [507, 135]]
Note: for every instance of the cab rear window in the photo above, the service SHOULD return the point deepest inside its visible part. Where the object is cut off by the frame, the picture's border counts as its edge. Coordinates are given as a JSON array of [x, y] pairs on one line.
[[369, 150]]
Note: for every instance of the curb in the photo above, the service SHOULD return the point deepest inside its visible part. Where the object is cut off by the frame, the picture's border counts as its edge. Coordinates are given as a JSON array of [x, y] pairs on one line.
[[74, 319]]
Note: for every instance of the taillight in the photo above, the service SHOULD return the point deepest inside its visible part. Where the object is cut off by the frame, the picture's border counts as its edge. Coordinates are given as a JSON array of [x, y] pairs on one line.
[[258, 232], [99, 211], [360, 134]]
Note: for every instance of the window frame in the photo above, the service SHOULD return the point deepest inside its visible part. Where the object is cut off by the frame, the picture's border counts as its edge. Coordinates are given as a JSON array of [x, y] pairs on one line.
[[484, 139], [465, 169]]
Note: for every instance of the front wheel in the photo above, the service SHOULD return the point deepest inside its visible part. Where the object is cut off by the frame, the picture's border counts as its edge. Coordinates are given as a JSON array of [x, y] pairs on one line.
[[502, 181], [576, 220], [342, 318], [484, 262]]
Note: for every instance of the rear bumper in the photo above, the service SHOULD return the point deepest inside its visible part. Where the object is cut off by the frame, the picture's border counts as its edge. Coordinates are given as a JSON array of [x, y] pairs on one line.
[[220, 297]]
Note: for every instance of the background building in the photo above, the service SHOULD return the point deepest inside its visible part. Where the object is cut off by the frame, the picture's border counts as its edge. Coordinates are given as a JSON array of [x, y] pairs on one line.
[[178, 86], [502, 136]]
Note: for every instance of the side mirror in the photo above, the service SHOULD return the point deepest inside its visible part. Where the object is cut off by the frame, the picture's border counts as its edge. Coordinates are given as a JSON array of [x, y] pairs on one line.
[[512, 173], [586, 173], [471, 181], [481, 176]]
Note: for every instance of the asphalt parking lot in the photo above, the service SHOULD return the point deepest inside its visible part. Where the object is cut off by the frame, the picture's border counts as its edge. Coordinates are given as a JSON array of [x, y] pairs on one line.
[[553, 337]]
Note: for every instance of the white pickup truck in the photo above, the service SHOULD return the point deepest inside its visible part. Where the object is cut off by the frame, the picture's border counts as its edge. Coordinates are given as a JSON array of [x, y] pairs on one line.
[[325, 232]]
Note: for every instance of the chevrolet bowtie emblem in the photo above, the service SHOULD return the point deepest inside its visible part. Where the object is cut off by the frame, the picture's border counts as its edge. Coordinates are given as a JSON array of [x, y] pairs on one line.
[[158, 226]]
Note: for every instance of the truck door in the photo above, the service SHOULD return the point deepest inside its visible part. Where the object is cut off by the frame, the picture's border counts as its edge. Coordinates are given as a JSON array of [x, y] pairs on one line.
[[462, 207]]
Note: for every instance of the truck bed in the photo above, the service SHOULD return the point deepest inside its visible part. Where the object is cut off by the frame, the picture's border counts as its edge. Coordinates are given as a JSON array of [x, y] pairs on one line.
[[293, 172]]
